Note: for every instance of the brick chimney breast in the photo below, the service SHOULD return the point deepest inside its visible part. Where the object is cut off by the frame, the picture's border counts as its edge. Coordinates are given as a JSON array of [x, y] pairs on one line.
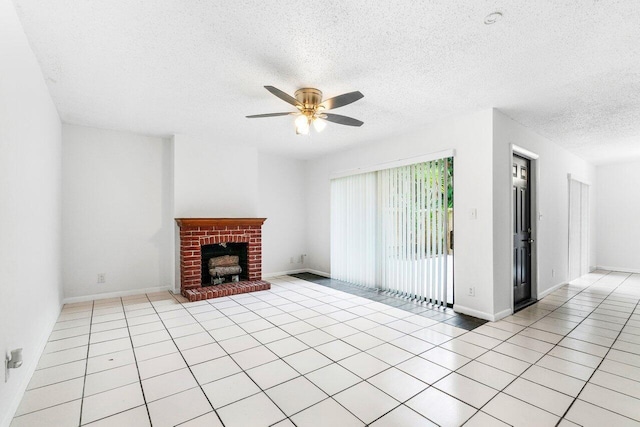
[[197, 232]]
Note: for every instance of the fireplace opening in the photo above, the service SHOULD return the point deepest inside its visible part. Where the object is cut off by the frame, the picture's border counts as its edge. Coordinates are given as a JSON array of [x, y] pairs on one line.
[[227, 261]]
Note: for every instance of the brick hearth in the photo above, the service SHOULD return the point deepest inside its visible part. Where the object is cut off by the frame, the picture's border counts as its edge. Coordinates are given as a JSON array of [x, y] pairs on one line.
[[225, 289], [196, 232]]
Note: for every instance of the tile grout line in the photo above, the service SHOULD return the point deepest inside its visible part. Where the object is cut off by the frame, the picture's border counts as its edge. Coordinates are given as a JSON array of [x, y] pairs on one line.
[[533, 364], [260, 344], [287, 417], [516, 377], [333, 361], [557, 345], [475, 359], [300, 375], [135, 360], [545, 354], [86, 367], [403, 403], [605, 300], [603, 358], [200, 386], [115, 388], [185, 361], [365, 380], [362, 380], [336, 339]]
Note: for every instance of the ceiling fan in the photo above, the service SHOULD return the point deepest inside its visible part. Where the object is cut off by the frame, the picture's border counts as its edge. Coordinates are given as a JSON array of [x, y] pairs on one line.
[[311, 108]]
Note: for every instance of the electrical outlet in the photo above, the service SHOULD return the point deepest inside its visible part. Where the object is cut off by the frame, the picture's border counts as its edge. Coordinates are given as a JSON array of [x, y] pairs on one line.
[[472, 291], [102, 277]]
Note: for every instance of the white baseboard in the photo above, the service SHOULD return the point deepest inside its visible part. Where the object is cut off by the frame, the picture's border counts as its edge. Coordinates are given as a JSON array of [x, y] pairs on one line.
[[481, 314], [550, 290], [300, 270], [620, 269], [284, 273], [472, 312], [319, 273], [116, 294], [30, 369], [502, 314]]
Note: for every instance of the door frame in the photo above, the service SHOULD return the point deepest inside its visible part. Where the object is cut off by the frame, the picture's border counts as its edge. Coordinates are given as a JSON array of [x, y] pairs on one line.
[[534, 175], [583, 181]]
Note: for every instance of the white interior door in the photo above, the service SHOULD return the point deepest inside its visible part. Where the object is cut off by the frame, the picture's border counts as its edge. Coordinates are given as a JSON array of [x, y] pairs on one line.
[[578, 228]]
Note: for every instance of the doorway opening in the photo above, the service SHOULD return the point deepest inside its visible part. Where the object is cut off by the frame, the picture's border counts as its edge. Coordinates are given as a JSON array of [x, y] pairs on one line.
[[578, 228]]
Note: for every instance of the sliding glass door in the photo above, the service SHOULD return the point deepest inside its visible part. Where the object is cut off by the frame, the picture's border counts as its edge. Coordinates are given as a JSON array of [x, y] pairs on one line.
[[390, 229]]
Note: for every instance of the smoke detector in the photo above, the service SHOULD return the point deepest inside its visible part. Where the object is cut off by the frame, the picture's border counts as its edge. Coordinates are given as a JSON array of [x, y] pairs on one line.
[[492, 18]]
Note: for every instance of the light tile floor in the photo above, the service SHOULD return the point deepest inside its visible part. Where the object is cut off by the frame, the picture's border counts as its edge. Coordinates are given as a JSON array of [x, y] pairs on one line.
[[303, 354]]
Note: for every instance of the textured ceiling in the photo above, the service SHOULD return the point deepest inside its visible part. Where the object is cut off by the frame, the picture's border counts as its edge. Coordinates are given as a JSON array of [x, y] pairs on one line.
[[570, 70]]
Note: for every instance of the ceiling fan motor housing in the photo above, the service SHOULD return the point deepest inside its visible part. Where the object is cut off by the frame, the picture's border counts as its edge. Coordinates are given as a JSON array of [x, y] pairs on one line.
[[309, 97]]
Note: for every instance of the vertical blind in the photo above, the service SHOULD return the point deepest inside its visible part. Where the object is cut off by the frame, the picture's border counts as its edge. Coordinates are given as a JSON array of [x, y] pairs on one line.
[[353, 229], [389, 230]]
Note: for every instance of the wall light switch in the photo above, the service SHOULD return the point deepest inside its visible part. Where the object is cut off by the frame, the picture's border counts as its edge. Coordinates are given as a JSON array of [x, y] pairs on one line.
[[473, 213]]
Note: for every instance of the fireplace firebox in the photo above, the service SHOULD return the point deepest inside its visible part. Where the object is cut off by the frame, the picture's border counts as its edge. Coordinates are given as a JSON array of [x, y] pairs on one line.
[[218, 250]]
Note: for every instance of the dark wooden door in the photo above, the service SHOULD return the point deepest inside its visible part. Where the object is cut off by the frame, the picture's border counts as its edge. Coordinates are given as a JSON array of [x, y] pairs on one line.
[[521, 232]]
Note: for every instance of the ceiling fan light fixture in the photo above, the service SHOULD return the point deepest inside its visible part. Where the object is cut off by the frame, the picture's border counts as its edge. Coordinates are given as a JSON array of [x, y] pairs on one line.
[[319, 124], [302, 125]]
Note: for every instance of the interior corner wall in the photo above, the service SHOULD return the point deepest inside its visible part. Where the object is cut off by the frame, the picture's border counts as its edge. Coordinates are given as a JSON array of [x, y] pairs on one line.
[[117, 212], [554, 165], [471, 137], [617, 214], [282, 200], [30, 214]]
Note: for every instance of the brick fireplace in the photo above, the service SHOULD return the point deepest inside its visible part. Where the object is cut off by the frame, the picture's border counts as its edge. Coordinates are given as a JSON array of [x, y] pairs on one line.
[[198, 232]]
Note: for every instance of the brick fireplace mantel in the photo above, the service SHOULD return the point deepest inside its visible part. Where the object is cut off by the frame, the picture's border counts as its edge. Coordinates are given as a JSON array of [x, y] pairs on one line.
[[197, 232], [220, 222]]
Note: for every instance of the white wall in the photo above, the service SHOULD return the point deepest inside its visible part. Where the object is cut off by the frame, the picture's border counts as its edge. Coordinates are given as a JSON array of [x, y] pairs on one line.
[[213, 179], [282, 200], [482, 181], [30, 282], [471, 137], [117, 211], [618, 216], [554, 165], [217, 180]]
